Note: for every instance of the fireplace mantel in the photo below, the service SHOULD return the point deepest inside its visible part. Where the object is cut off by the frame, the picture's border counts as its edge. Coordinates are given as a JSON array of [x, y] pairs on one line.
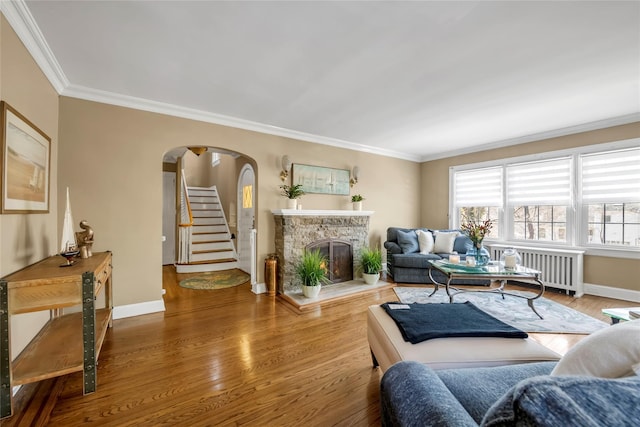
[[319, 212]]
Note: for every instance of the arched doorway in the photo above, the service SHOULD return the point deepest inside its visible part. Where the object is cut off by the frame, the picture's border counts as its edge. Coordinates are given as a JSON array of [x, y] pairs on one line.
[[204, 168]]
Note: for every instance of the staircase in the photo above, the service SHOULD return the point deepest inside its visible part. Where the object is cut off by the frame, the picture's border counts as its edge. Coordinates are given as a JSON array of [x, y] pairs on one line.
[[211, 246]]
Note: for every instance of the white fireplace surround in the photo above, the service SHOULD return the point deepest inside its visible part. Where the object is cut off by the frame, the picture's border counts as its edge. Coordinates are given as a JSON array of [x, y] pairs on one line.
[[295, 229], [319, 212]]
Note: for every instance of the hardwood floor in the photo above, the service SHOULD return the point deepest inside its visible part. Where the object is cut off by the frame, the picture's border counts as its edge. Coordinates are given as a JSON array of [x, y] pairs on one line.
[[230, 357]]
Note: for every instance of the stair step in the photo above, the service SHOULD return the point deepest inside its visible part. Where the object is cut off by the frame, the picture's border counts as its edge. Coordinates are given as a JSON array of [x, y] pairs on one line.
[[210, 245], [202, 192], [209, 256], [203, 209], [211, 238], [204, 200], [211, 251], [209, 228], [206, 266], [207, 220]]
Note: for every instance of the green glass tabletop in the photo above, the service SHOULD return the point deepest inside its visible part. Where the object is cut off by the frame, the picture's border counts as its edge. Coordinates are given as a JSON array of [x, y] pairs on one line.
[[493, 268]]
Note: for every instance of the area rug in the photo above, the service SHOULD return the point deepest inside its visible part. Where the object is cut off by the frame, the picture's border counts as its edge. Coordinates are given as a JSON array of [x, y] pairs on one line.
[[216, 280], [513, 310]]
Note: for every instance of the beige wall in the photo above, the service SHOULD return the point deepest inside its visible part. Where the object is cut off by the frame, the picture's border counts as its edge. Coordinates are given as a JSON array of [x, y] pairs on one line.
[[111, 158], [606, 271], [27, 238]]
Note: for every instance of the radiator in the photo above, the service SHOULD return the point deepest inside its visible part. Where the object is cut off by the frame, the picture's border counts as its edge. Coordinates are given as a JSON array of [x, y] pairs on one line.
[[560, 269]]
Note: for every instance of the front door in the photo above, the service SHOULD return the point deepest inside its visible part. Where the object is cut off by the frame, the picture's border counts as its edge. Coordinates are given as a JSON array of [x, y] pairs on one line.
[[246, 221]]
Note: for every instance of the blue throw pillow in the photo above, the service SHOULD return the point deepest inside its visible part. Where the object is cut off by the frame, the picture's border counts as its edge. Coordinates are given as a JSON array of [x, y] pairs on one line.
[[408, 241], [462, 244]]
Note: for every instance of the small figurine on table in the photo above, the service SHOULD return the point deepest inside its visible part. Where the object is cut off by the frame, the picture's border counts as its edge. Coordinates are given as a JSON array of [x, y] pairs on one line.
[[85, 239]]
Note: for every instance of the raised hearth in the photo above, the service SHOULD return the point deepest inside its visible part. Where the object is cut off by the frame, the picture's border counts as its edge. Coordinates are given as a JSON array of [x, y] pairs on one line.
[[295, 229]]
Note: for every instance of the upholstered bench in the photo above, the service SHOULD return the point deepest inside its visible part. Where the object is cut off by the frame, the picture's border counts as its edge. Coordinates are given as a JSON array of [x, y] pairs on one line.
[[388, 347]]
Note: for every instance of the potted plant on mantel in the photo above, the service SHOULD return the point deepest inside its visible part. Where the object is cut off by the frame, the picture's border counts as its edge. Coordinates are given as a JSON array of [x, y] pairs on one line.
[[370, 264], [292, 193], [312, 272], [357, 199]]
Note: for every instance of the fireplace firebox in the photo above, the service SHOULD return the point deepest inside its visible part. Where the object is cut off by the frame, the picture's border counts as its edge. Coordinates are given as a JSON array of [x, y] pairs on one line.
[[340, 256]]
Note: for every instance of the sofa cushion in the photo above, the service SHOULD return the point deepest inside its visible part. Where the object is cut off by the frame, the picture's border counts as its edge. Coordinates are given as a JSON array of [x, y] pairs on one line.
[[408, 241], [477, 389], [608, 353], [415, 260], [444, 242], [560, 401], [425, 241]]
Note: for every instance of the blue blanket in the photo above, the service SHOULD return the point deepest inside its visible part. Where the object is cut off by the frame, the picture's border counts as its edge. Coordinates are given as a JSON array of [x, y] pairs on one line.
[[421, 322]]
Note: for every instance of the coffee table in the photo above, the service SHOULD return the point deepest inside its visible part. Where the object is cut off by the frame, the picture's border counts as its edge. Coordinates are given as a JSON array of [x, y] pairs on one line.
[[494, 271]]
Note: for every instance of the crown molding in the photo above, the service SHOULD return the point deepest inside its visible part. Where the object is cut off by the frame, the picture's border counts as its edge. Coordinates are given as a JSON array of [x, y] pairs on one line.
[[570, 130], [22, 22], [89, 94]]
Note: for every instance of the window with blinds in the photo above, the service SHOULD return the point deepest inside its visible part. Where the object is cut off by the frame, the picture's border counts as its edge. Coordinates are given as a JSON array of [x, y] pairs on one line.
[[610, 192], [478, 197], [585, 196], [539, 195], [540, 183]]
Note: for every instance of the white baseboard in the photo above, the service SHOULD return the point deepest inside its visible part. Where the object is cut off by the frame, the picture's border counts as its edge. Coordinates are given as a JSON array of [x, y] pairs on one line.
[[130, 310], [609, 292], [259, 288]]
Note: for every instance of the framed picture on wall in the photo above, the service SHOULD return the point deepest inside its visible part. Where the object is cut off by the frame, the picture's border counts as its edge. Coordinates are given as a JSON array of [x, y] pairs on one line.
[[318, 179], [26, 159]]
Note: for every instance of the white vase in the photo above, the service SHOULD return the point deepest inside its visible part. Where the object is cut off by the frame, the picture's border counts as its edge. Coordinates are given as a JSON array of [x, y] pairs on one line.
[[311, 291], [292, 203], [357, 206], [371, 279]]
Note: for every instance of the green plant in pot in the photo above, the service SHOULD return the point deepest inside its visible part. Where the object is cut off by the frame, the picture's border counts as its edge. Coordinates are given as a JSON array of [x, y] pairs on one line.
[[312, 272], [292, 193], [370, 265], [357, 199]]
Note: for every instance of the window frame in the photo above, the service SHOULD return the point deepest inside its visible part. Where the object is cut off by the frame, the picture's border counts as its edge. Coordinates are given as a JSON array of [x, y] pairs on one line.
[[577, 218]]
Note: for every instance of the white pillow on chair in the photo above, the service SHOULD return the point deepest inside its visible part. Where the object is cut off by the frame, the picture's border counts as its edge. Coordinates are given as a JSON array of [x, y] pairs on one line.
[[608, 353]]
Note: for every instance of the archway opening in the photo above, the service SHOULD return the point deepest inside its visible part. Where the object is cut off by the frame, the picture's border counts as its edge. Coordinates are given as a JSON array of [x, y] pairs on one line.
[[204, 196]]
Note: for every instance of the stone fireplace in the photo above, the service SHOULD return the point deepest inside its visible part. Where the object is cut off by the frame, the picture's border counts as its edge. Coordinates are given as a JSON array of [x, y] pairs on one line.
[[338, 231]]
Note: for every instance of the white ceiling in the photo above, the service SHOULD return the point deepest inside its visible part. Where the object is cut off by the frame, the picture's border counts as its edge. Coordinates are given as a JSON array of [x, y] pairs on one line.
[[415, 80]]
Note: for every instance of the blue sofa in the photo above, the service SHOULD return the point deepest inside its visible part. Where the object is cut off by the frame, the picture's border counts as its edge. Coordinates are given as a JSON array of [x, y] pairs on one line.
[[408, 265], [413, 394]]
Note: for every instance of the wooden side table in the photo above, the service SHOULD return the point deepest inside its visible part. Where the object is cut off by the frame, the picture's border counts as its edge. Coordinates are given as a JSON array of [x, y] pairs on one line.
[[68, 342]]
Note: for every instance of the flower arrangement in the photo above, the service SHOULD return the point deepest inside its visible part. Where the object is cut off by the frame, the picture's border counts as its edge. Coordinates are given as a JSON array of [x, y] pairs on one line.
[[476, 231]]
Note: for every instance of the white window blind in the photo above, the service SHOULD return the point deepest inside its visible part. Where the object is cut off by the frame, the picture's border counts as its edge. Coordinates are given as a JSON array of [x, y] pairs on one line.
[[478, 187], [540, 183], [611, 177]]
